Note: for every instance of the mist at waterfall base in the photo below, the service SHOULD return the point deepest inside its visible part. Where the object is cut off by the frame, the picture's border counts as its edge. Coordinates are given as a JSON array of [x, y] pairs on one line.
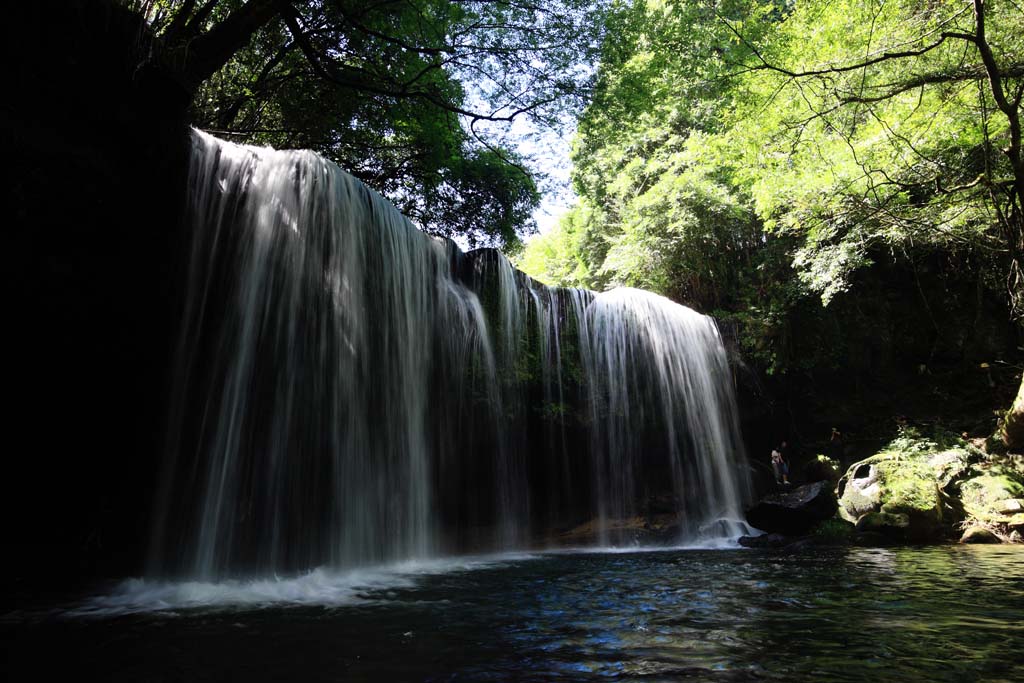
[[352, 392]]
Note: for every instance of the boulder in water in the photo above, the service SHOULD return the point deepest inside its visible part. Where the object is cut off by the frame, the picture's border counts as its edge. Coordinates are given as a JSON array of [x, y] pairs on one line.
[[795, 511], [889, 523], [765, 541], [906, 491], [979, 534], [816, 539]]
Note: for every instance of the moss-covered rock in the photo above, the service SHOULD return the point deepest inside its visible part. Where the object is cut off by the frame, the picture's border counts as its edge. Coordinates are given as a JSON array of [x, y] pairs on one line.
[[889, 523], [834, 530], [926, 489], [993, 494], [908, 490]]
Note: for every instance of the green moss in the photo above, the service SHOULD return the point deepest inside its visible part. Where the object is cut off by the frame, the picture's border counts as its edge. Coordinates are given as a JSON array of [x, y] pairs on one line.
[[981, 495], [996, 444], [834, 529], [908, 486], [921, 477], [883, 522], [912, 480]]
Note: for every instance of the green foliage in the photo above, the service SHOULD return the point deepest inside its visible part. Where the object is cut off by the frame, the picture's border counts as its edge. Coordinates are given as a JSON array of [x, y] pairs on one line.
[[853, 158], [834, 530], [413, 98], [751, 158]]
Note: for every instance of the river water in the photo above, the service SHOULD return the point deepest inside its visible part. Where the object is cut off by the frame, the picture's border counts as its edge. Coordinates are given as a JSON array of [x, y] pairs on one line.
[[904, 614]]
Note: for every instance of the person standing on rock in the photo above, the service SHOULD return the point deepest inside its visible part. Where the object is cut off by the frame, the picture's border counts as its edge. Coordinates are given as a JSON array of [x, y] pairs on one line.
[[779, 467], [784, 452], [835, 445]]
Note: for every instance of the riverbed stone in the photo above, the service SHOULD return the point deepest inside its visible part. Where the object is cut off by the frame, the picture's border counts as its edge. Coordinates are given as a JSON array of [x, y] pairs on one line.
[[794, 512], [979, 534]]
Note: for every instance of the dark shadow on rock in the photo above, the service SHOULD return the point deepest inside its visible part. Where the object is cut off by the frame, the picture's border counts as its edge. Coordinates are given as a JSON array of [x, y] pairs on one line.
[[796, 511]]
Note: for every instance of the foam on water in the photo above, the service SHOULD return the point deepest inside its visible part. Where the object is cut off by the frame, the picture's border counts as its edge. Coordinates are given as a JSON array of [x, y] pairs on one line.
[[318, 588], [323, 587]]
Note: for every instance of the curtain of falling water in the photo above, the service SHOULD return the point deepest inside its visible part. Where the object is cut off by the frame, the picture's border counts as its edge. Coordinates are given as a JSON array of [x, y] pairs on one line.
[[353, 391], [314, 317], [662, 406]]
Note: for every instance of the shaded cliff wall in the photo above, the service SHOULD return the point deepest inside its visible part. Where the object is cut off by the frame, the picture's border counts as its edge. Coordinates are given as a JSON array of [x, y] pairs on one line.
[[924, 338], [95, 141]]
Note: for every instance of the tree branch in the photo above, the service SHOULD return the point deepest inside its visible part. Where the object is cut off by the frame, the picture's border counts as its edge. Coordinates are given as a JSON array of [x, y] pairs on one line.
[[207, 53]]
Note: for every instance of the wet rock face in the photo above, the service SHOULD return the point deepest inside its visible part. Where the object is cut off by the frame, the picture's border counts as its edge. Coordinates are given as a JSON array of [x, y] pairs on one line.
[[861, 492], [796, 511], [97, 138]]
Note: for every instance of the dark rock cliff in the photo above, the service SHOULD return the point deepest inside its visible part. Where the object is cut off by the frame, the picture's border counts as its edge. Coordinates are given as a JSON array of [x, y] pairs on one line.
[[95, 139]]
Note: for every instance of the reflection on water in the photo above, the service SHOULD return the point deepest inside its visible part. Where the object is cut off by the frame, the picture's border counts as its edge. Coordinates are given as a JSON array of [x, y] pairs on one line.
[[931, 614]]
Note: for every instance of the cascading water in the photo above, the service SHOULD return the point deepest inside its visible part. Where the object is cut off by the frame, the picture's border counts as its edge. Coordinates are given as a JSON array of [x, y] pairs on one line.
[[658, 384], [352, 391]]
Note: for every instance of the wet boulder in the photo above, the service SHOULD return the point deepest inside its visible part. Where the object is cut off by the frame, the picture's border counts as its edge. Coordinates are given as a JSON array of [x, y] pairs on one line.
[[888, 523], [796, 511]]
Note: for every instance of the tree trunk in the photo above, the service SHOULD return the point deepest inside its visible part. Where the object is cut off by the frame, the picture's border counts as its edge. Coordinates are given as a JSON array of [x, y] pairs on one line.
[[207, 53], [1013, 424]]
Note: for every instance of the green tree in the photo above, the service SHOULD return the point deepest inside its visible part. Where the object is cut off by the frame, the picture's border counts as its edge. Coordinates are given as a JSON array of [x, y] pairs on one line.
[[413, 98], [879, 123], [657, 209], [890, 123], [747, 156]]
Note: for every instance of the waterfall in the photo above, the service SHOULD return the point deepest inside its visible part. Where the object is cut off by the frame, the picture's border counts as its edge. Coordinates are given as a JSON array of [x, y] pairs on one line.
[[351, 390], [658, 387]]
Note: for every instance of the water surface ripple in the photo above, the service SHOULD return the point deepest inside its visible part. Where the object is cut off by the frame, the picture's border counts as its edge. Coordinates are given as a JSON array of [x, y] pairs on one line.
[[907, 614]]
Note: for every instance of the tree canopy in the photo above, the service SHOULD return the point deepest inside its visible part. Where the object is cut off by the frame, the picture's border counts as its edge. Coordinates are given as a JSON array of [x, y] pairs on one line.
[[742, 155], [414, 98]]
